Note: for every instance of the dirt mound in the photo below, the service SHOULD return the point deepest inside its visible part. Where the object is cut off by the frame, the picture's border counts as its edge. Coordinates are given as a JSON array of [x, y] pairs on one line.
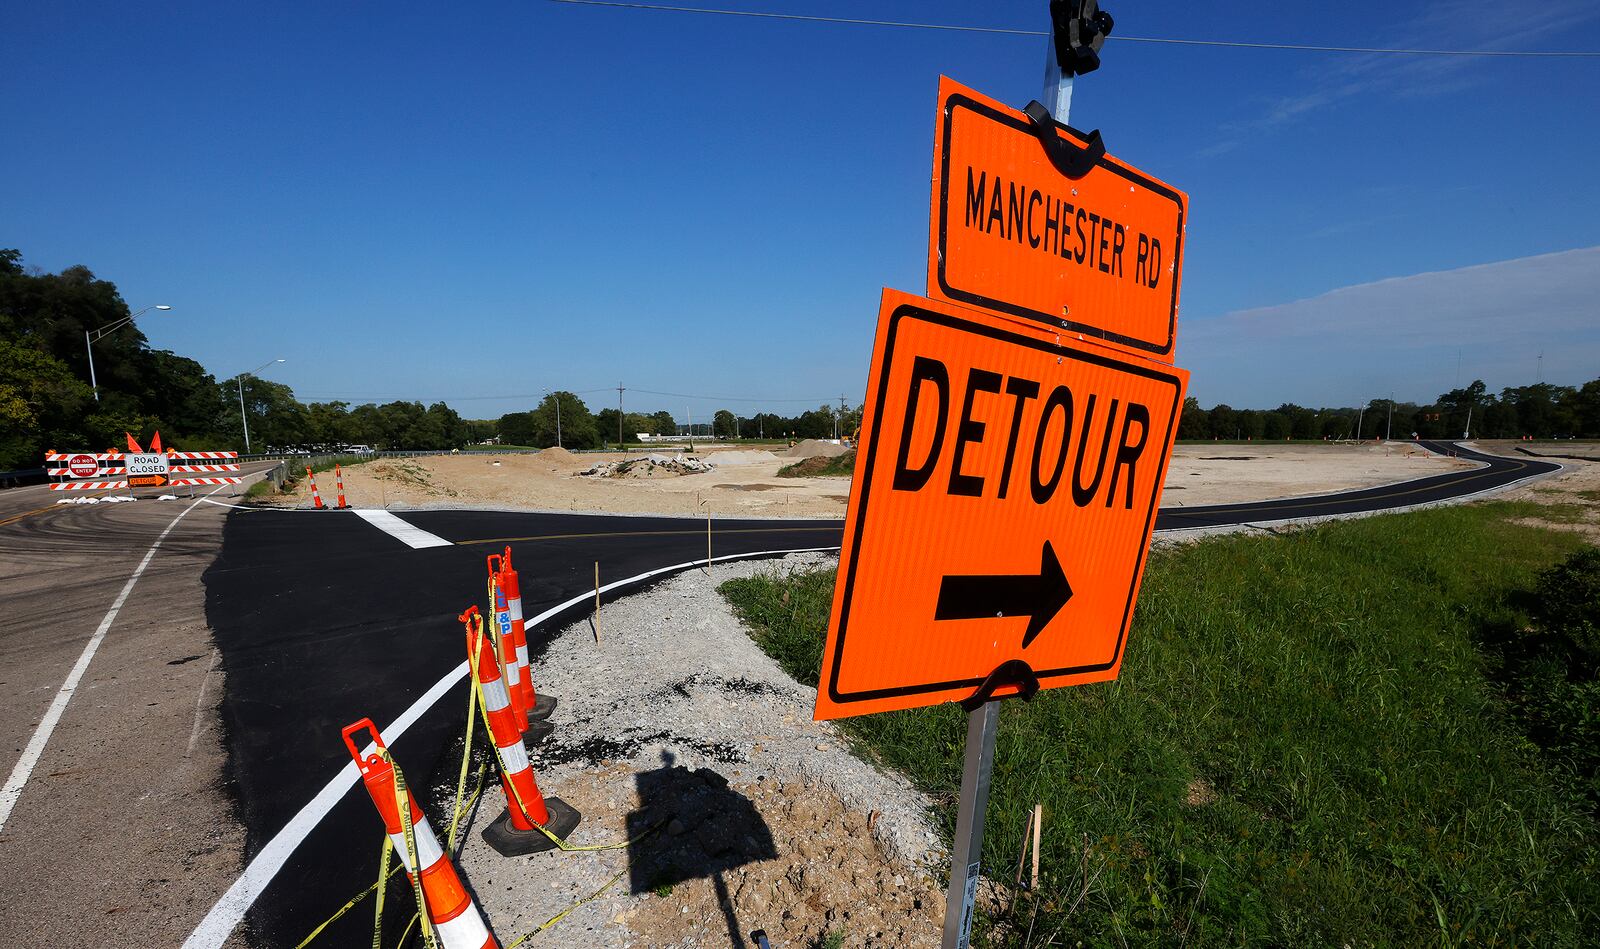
[[822, 466], [752, 457], [813, 447], [559, 456]]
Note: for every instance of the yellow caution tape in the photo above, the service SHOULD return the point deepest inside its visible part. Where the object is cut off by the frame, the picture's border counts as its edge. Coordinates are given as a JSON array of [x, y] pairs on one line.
[[563, 914]]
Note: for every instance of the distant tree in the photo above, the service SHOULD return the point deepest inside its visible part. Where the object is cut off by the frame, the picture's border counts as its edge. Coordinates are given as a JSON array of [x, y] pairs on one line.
[[518, 428], [1224, 421], [576, 425], [1585, 403], [607, 423], [42, 406], [724, 425], [1193, 424], [662, 423]]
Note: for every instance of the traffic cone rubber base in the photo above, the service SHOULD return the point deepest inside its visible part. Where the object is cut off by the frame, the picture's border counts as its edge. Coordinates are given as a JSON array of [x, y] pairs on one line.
[[508, 841], [543, 707], [537, 732]]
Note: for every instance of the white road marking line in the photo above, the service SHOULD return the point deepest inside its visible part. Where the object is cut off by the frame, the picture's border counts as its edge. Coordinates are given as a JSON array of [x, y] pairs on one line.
[[41, 735], [219, 923], [200, 703], [408, 534]]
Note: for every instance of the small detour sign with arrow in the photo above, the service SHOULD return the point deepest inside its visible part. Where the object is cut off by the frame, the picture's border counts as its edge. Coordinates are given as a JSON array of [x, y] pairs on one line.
[[1007, 486]]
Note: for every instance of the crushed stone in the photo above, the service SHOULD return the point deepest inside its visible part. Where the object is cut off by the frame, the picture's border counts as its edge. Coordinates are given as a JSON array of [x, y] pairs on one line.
[[676, 722], [650, 466]]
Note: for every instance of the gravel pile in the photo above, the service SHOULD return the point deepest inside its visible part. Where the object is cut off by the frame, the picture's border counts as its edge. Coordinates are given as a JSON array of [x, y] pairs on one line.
[[676, 720], [650, 466]]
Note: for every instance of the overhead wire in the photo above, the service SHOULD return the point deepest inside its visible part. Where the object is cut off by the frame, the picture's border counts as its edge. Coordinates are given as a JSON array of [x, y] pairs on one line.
[[954, 27]]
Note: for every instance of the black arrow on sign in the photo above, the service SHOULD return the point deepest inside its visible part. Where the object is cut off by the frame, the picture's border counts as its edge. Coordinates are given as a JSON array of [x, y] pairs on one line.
[[1037, 596]]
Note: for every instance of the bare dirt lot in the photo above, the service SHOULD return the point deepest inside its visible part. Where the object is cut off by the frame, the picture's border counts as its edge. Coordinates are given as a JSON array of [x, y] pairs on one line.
[[1571, 499], [744, 481]]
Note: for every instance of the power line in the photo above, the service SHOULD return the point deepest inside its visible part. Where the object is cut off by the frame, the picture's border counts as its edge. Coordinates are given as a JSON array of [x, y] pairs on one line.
[[726, 398], [951, 27], [347, 397]]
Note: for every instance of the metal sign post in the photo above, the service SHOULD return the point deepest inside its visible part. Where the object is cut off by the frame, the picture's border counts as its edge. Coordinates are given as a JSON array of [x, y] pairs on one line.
[[983, 722], [982, 725]]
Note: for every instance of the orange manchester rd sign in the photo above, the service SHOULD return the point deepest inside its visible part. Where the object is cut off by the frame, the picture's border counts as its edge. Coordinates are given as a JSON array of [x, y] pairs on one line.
[[1005, 490], [1095, 249]]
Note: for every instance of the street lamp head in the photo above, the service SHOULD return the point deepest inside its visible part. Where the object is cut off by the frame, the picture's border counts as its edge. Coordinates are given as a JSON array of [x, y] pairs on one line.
[[162, 306]]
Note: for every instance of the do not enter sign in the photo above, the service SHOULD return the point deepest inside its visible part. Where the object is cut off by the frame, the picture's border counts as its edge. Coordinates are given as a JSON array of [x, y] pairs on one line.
[[1004, 494], [83, 466]]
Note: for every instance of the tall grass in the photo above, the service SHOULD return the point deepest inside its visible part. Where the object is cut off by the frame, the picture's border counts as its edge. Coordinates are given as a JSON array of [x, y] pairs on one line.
[[1304, 748]]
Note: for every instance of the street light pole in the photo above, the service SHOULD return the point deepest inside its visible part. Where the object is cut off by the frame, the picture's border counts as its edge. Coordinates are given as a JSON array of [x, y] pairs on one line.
[[244, 419], [89, 338]]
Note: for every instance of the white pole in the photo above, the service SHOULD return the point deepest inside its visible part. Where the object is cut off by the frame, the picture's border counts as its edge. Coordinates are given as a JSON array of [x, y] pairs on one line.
[[92, 383], [243, 419]]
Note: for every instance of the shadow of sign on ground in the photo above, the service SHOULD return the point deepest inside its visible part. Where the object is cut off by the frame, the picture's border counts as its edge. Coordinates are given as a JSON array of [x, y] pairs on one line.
[[710, 829]]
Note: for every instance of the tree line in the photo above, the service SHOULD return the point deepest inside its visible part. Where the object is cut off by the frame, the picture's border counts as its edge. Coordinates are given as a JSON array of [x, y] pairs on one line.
[[46, 401], [563, 418], [1541, 410]]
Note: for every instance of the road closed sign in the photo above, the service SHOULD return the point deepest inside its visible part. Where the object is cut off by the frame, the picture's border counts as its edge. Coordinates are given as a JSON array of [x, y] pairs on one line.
[[146, 469], [1013, 231], [1006, 486]]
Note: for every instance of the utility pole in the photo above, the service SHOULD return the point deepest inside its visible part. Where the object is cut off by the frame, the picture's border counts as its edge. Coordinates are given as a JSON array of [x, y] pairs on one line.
[[840, 432], [619, 418], [1359, 416], [1388, 429], [1538, 377]]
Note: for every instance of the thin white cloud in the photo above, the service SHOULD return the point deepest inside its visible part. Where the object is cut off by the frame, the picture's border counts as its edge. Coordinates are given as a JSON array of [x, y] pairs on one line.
[[1458, 24], [1406, 335]]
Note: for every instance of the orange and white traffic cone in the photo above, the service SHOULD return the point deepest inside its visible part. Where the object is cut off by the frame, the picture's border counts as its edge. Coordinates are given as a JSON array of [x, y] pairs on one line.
[[517, 830], [316, 499], [506, 644], [338, 477], [450, 908], [539, 707]]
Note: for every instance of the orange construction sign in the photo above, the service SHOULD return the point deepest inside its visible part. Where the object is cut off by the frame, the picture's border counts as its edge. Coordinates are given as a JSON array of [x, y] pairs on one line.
[[1094, 248], [1005, 488]]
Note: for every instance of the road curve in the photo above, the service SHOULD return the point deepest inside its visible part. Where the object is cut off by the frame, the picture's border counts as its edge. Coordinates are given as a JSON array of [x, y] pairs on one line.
[[321, 619], [1497, 472]]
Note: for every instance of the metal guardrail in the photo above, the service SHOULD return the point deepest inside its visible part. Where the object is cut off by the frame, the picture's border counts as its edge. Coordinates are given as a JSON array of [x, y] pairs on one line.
[[21, 476]]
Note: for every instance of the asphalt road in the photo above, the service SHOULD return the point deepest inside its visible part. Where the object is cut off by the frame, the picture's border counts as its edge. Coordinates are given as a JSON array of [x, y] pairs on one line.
[[1497, 472], [122, 826], [318, 619]]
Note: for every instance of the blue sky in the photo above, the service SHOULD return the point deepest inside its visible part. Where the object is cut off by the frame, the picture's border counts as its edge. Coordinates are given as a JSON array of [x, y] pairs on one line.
[[447, 201]]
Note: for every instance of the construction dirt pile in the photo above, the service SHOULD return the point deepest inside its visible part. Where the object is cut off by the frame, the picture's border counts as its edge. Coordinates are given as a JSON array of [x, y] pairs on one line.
[[761, 817], [650, 466], [812, 447]]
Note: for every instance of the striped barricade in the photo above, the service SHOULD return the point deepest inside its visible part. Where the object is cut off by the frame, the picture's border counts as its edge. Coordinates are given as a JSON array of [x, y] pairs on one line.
[[213, 466]]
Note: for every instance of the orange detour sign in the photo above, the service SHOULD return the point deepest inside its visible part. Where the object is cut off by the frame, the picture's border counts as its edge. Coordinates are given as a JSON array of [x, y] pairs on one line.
[[1060, 232], [1005, 490]]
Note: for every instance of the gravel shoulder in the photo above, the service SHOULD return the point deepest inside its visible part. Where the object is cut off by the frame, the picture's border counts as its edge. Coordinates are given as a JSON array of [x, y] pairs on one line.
[[766, 819]]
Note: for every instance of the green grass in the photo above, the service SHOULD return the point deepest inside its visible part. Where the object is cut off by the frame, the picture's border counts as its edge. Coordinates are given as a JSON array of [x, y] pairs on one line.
[[1305, 748], [262, 489], [821, 466]]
